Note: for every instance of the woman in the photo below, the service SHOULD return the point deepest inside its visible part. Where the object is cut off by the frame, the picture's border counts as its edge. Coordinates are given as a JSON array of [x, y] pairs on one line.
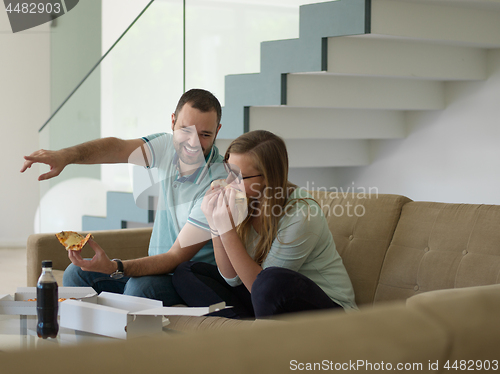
[[281, 258]]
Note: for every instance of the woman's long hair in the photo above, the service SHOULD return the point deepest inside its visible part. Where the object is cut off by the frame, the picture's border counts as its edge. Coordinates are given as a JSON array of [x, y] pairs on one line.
[[270, 158]]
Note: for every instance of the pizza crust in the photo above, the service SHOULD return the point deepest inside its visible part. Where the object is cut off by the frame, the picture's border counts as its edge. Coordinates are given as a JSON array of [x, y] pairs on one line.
[[73, 241]]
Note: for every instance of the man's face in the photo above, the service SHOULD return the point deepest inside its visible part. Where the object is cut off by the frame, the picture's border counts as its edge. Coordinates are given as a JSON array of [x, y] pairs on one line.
[[194, 134]]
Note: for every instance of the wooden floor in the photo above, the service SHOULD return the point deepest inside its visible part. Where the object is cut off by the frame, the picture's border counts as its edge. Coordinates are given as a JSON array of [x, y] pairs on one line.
[[12, 269]]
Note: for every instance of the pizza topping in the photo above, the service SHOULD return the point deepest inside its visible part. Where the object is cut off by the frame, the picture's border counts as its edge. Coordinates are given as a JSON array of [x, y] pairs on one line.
[[72, 240]]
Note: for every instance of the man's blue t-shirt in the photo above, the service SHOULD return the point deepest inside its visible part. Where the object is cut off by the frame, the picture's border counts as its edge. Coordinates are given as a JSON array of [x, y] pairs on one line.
[[180, 198]]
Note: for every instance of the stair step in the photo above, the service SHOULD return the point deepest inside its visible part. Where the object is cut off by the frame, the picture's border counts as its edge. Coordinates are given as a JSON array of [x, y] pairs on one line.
[[333, 91], [246, 90], [121, 208], [466, 23], [311, 152], [306, 53], [317, 21], [328, 123], [439, 40], [354, 55]]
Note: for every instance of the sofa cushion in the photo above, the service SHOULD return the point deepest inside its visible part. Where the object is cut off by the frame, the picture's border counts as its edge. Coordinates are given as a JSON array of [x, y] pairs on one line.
[[58, 274], [362, 226], [197, 323], [440, 246], [392, 335], [431, 297], [471, 314]]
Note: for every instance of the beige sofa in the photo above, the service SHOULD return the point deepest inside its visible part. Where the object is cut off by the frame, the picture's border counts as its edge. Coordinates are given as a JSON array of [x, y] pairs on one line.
[[426, 277]]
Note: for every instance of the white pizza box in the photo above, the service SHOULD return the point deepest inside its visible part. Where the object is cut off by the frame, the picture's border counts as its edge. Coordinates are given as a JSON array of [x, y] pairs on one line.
[[114, 315], [17, 304], [122, 316], [186, 311]]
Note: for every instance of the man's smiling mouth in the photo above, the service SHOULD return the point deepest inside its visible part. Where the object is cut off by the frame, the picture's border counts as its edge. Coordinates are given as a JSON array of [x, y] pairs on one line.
[[191, 151]]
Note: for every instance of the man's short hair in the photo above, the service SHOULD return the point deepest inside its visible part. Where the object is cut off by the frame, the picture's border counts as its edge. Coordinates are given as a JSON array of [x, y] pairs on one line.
[[200, 99]]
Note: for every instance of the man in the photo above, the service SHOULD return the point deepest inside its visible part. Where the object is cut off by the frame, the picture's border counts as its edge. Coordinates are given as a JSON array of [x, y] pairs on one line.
[[187, 162]]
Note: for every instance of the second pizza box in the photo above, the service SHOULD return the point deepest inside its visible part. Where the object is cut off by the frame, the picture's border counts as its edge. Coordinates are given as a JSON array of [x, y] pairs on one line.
[[20, 303], [114, 315]]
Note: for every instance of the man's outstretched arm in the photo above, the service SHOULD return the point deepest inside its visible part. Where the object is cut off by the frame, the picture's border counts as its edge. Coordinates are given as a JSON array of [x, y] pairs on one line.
[[99, 151]]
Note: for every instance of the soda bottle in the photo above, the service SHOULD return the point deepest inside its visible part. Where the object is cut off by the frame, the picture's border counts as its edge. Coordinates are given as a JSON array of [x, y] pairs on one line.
[[47, 303]]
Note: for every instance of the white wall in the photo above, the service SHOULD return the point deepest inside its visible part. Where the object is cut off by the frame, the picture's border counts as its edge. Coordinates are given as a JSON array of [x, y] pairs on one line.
[[24, 107], [450, 156], [313, 178]]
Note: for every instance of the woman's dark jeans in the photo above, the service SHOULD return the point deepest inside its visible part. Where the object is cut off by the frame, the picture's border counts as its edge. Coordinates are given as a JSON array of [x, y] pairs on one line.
[[275, 291]]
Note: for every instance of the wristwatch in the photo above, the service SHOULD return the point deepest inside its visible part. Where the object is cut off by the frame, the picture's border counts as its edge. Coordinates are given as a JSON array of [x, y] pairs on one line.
[[119, 272]]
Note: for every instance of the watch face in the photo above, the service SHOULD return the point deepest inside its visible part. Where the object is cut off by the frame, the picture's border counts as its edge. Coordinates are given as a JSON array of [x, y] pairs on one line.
[[116, 275]]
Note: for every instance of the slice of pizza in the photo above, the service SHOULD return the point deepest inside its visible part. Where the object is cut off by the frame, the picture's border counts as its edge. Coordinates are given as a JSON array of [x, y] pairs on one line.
[[73, 241]]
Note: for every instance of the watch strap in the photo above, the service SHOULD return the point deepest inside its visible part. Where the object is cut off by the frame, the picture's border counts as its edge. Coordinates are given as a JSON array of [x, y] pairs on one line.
[[119, 271]]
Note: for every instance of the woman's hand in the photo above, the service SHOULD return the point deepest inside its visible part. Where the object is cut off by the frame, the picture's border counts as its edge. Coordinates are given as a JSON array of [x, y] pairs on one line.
[[222, 213], [99, 263], [209, 203]]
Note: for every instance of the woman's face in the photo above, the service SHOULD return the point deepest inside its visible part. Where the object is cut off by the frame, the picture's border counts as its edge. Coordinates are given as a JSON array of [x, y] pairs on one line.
[[243, 164]]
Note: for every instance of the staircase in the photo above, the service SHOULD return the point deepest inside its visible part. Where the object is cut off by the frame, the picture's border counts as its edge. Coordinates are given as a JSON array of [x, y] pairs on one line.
[[355, 71], [358, 68], [122, 212]]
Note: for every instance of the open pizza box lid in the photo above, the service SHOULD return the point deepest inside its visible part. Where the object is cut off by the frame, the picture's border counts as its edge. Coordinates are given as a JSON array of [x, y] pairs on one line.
[[121, 316], [17, 304]]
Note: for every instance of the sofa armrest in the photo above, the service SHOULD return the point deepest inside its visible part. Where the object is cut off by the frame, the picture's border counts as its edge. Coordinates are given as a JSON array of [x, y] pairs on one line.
[[124, 244]]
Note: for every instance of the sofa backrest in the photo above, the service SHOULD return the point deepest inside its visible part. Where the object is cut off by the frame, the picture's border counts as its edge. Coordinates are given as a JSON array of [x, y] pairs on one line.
[[362, 226], [441, 246]]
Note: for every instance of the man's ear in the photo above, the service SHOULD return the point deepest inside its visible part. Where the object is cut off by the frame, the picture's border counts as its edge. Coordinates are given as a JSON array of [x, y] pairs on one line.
[[173, 121], [217, 131]]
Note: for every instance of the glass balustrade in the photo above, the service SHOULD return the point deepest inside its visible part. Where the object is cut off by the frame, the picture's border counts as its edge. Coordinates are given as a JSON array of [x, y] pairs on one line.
[[118, 68]]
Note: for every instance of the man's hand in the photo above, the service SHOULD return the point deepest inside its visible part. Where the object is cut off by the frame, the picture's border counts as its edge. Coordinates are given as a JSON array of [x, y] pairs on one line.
[[99, 263], [57, 161], [100, 151]]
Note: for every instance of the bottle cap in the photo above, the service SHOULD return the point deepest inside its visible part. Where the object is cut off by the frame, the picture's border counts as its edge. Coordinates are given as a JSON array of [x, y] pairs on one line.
[[47, 264]]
